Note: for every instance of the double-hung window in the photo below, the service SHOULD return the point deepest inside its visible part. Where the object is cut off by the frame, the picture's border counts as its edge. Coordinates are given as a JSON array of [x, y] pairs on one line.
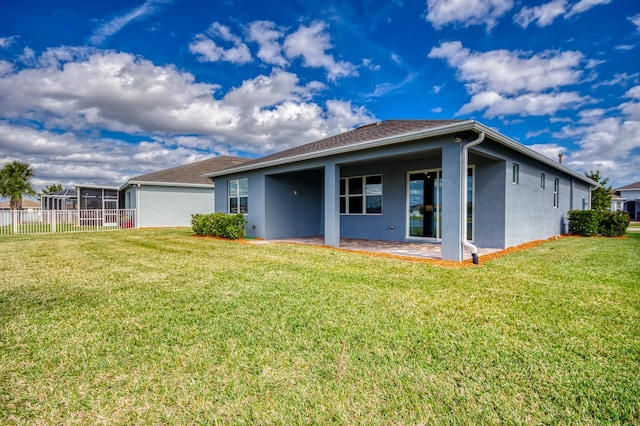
[[361, 195], [556, 192], [239, 196]]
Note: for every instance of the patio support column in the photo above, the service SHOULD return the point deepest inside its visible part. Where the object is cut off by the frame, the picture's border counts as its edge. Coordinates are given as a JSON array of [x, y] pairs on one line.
[[451, 186], [331, 205]]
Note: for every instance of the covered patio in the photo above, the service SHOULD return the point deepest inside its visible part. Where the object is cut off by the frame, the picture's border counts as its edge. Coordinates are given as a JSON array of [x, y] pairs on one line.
[[395, 248]]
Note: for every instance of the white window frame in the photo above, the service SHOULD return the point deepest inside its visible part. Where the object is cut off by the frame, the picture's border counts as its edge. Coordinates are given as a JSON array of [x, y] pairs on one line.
[[238, 195], [363, 196], [556, 192], [543, 181]]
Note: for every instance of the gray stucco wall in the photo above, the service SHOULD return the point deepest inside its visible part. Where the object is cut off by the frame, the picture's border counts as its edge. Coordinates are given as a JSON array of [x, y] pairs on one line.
[[505, 214], [165, 206]]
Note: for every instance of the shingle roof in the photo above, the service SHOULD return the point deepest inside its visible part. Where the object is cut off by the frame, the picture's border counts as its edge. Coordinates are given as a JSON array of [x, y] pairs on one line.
[[368, 132], [191, 173], [630, 186]]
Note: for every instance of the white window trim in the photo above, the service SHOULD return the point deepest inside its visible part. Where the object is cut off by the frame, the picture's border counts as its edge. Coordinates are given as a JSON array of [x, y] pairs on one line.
[[238, 196], [556, 192], [363, 195]]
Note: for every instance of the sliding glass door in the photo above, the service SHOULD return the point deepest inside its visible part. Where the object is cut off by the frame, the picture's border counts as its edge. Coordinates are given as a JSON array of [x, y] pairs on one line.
[[425, 213], [425, 203]]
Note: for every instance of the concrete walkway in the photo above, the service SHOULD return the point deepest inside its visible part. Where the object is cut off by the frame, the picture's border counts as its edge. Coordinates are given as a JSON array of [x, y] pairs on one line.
[[398, 248]]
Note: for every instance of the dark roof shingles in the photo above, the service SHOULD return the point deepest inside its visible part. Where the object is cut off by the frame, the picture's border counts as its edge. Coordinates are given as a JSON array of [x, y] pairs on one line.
[[369, 132], [192, 173]]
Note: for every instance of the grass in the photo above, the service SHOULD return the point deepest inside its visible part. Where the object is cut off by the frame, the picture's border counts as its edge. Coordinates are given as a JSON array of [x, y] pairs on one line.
[[155, 326]]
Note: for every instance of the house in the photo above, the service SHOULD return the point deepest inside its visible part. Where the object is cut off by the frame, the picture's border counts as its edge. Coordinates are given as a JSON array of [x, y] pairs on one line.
[[453, 182], [630, 196], [169, 197], [27, 204]]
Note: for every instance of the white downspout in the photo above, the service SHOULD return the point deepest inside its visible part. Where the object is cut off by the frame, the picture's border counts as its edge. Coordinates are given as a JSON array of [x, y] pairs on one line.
[[463, 196]]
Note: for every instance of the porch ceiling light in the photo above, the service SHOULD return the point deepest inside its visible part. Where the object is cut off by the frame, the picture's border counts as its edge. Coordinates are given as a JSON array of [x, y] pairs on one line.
[[457, 138]]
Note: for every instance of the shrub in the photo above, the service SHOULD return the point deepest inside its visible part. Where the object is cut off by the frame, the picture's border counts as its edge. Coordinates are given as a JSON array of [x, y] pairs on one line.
[[584, 222], [196, 223], [592, 222], [614, 224], [219, 225]]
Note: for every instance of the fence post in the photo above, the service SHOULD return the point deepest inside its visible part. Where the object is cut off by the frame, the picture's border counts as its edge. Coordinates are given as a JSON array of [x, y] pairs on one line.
[[15, 221], [53, 220]]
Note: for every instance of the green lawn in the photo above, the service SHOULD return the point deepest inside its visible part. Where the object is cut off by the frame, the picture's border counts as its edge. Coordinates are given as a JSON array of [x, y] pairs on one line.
[[159, 327]]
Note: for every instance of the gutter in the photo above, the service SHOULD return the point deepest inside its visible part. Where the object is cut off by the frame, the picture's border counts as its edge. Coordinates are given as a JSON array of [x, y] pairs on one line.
[[463, 195]]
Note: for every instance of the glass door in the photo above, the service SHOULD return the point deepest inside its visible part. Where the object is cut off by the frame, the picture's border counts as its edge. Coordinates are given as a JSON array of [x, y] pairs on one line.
[[425, 214]]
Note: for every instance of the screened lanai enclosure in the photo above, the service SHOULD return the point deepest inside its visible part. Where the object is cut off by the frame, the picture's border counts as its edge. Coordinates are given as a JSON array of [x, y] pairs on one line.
[[85, 208]]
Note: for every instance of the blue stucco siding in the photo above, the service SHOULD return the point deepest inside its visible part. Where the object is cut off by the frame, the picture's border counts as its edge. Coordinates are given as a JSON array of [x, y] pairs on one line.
[[294, 204], [489, 201], [293, 200]]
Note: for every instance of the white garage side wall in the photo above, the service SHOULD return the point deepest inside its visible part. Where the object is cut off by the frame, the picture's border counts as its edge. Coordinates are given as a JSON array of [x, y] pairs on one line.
[[165, 206]]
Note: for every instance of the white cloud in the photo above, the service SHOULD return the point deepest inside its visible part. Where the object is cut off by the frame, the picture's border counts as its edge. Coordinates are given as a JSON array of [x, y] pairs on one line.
[[608, 143], [550, 150], [542, 15], [466, 12], [263, 91], [311, 44], [513, 82], [635, 20], [545, 14], [179, 116], [584, 5], [109, 28], [267, 35], [7, 41], [207, 50]]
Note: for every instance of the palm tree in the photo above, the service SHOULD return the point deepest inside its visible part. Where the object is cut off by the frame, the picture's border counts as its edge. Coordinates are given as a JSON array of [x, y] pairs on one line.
[[15, 182]]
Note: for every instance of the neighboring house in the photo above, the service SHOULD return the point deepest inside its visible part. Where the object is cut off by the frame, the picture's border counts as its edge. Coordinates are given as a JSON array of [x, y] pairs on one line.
[[406, 180], [169, 197], [630, 194], [26, 205]]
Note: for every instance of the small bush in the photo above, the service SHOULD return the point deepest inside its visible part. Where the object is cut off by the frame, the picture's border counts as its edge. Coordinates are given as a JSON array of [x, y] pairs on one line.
[[584, 222], [219, 224], [614, 224], [592, 222]]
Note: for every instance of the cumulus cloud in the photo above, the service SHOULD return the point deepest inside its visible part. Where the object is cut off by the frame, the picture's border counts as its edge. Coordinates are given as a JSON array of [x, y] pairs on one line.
[[268, 37], [609, 140], [504, 82], [466, 12], [179, 119], [311, 44], [207, 50], [117, 23]]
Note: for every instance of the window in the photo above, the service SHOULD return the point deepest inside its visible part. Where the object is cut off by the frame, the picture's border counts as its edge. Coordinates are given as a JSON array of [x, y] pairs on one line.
[[515, 174], [543, 183], [361, 195], [556, 190], [239, 196]]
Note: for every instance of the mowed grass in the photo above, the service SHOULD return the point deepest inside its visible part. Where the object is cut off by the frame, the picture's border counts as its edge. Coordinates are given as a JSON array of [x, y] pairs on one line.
[[159, 327]]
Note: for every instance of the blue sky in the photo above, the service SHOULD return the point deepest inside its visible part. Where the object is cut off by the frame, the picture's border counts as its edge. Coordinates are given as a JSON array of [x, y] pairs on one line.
[[98, 92]]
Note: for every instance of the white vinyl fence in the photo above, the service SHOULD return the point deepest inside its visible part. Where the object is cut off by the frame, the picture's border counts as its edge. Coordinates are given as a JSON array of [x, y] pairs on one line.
[[48, 221]]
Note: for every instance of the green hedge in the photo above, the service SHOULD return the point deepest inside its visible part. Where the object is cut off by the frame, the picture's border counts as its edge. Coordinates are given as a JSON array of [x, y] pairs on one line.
[[593, 222], [219, 225]]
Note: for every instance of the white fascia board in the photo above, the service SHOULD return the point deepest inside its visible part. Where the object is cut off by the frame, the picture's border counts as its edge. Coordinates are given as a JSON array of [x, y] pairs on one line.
[[172, 184], [516, 146], [404, 137], [115, 188]]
